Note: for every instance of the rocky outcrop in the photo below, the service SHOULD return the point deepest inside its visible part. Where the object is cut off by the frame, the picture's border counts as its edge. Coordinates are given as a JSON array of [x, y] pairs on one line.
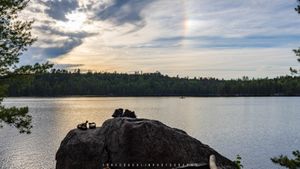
[[134, 143]]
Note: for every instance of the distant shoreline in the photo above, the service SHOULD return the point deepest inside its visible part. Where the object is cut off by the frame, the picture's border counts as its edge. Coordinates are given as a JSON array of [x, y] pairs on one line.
[[146, 85], [68, 96]]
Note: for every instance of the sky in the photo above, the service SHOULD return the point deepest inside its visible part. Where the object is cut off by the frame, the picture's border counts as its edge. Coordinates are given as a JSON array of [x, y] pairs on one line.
[[194, 38]]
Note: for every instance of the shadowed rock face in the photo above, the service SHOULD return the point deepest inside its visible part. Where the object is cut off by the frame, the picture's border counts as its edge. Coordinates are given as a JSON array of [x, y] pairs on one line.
[[133, 141]]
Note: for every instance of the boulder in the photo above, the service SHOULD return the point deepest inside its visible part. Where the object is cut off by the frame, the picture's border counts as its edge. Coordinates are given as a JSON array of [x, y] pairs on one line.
[[135, 143]]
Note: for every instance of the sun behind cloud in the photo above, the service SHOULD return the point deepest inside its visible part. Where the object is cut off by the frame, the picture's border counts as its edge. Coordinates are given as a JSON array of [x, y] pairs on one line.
[[76, 22], [172, 36]]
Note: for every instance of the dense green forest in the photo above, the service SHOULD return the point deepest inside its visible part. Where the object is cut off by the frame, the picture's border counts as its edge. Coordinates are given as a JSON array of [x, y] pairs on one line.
[[64, 83]]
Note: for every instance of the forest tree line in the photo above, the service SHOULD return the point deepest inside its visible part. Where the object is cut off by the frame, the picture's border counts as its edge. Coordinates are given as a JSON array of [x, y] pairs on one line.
[[65, 83]]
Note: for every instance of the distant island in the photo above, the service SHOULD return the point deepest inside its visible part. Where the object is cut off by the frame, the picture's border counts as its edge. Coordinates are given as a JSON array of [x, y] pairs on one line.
[[64, 83]]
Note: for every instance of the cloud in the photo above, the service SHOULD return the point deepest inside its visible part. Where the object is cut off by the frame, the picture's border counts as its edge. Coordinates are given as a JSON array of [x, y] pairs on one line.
[[68, 66], [225, 42], [59, 34], [66, 47], [50, 30], [221, 63], [56, 33], [192, 37], [55, 42], [40, 54], [241, 18], [57, 9], [120, 12]]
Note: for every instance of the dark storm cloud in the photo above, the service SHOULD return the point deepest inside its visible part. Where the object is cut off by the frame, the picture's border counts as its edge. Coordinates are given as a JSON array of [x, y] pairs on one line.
[[57, 9], [124, 11]]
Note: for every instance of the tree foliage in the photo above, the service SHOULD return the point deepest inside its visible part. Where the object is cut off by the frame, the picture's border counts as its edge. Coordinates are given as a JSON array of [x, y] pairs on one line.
[[15, 37], [287, 162], [238, 162], [296, 51], [33, 69], [284, 160], [64, 83]]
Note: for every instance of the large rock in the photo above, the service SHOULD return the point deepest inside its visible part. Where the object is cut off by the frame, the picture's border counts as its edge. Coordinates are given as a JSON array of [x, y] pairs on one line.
[[128, 141]]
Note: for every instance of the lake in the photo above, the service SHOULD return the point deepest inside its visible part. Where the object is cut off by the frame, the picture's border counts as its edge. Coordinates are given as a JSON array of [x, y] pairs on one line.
[[257, 128]]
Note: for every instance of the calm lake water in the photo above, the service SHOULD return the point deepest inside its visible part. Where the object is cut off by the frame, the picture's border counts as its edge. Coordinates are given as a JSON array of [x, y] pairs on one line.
[[257, 128]]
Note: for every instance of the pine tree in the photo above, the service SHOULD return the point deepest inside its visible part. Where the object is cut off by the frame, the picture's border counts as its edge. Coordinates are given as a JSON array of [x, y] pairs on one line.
[[296, 51], [15, 37]]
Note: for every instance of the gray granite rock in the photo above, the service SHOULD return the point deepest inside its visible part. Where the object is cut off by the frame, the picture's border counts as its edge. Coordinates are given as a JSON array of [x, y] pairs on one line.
[[133, 141]]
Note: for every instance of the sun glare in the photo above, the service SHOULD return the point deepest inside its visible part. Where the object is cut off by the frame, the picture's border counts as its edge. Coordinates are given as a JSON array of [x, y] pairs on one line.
[[76, 21]]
